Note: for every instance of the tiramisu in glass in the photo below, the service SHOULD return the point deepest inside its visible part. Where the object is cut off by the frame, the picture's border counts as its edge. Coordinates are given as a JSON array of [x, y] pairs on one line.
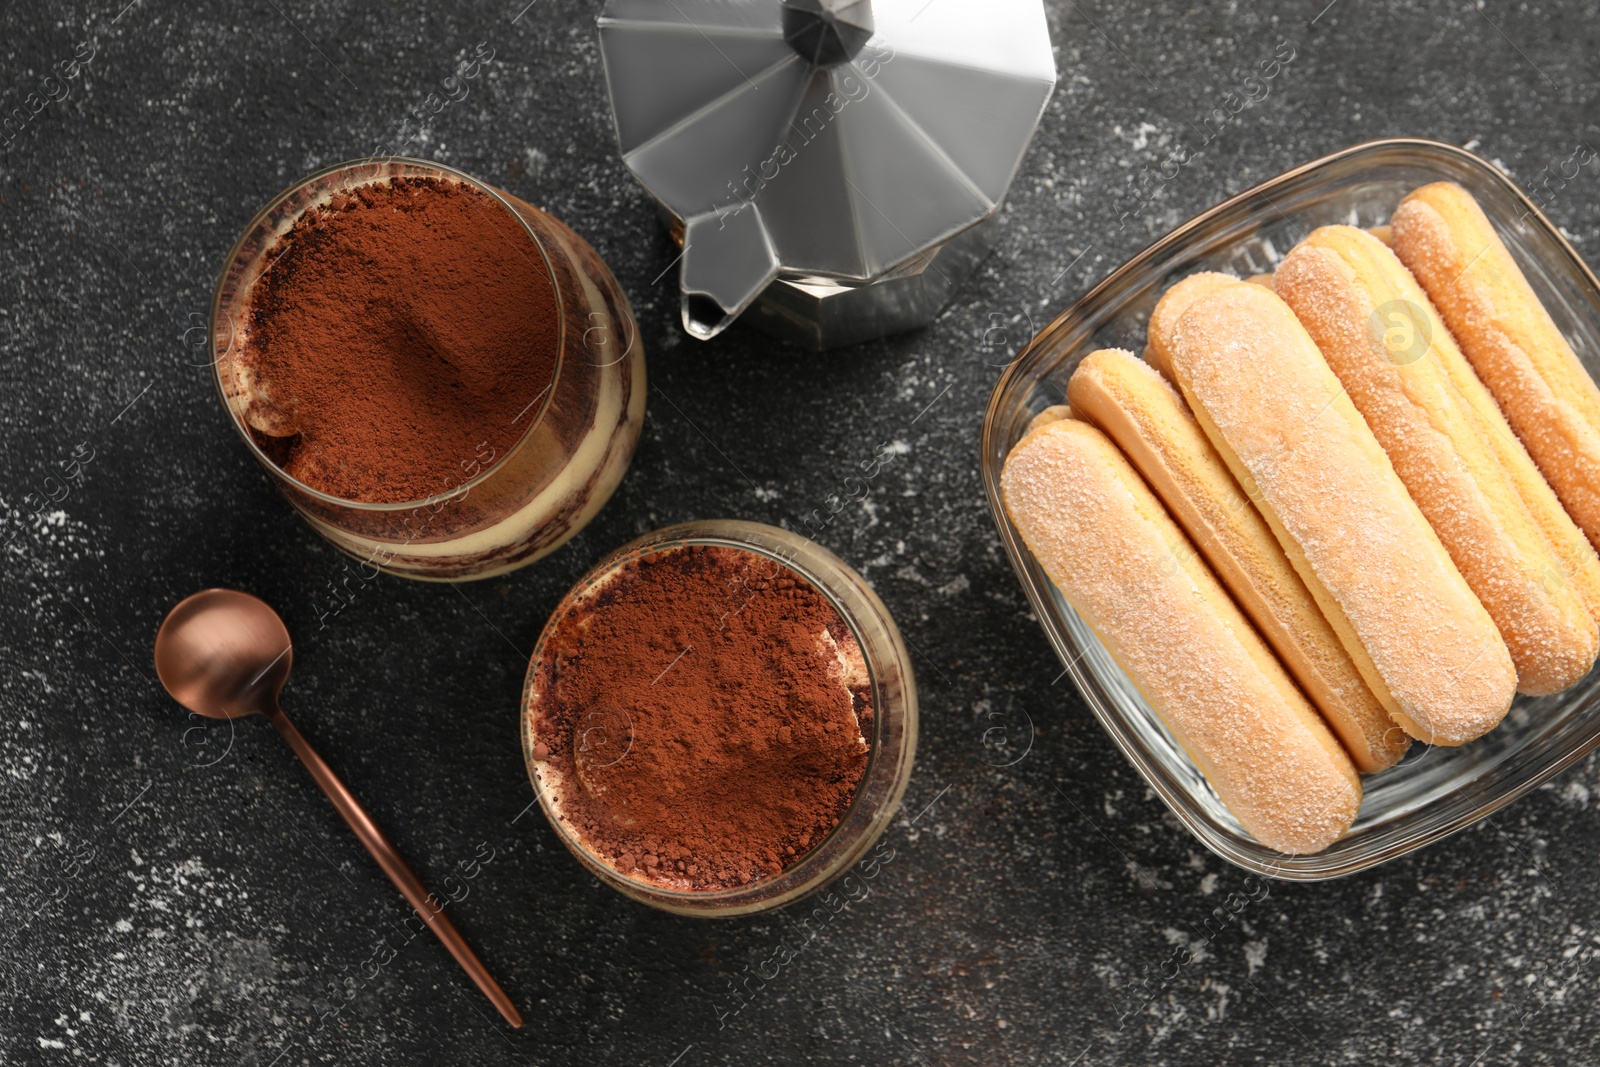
[[720, 718], [445, 381]]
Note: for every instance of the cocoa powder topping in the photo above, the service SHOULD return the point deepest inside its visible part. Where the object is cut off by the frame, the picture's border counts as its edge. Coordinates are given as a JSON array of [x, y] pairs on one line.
[[401, 331], [701, 717]]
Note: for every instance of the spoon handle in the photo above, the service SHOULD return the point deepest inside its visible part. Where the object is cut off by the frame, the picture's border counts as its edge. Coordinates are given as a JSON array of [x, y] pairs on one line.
[[394, 866]]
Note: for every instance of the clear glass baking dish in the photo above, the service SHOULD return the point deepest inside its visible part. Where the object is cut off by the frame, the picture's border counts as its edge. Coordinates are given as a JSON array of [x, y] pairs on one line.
[[1435, 791]]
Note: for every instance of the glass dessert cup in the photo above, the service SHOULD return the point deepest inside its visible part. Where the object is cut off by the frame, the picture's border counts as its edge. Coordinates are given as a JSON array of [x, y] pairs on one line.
[[505, 510], [891, 744], [1434, 792]]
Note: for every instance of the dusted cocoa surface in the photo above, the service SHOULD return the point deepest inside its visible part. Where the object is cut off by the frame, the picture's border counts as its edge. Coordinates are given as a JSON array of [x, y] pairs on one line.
[[174, 895], [400, 330], [702, 716]]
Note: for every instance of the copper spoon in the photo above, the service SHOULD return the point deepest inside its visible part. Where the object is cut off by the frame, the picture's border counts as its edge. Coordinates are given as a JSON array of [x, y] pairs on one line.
[[222, 653]]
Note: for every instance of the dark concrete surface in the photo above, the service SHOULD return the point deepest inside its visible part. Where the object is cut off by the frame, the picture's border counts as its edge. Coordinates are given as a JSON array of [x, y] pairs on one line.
[[171, 895]]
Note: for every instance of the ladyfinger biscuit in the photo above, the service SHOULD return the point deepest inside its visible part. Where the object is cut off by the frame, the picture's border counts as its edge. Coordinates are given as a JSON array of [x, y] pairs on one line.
[[1579, 566], [1379, 333], [1129, 572], [1053, 413], [1442, 234], [1152, 426], [1578, 563], [1173, 303], [1299, 448]]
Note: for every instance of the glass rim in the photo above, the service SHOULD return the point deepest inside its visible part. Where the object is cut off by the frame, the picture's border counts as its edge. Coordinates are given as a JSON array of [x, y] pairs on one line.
[[731, 533], [261, 216]]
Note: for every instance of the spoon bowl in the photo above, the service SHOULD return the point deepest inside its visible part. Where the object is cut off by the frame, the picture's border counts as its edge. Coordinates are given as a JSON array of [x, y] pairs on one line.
[[222, 653]]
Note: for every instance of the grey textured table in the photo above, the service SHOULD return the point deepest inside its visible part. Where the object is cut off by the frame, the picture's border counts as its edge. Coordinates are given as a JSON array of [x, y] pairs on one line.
[[175, 895]]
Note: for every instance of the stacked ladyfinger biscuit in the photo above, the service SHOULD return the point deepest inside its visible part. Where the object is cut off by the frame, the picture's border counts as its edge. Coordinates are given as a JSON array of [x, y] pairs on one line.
[[1332, 510]]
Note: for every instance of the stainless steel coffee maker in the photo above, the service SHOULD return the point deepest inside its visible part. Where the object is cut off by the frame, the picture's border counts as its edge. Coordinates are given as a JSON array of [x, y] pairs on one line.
[[832, 168]]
